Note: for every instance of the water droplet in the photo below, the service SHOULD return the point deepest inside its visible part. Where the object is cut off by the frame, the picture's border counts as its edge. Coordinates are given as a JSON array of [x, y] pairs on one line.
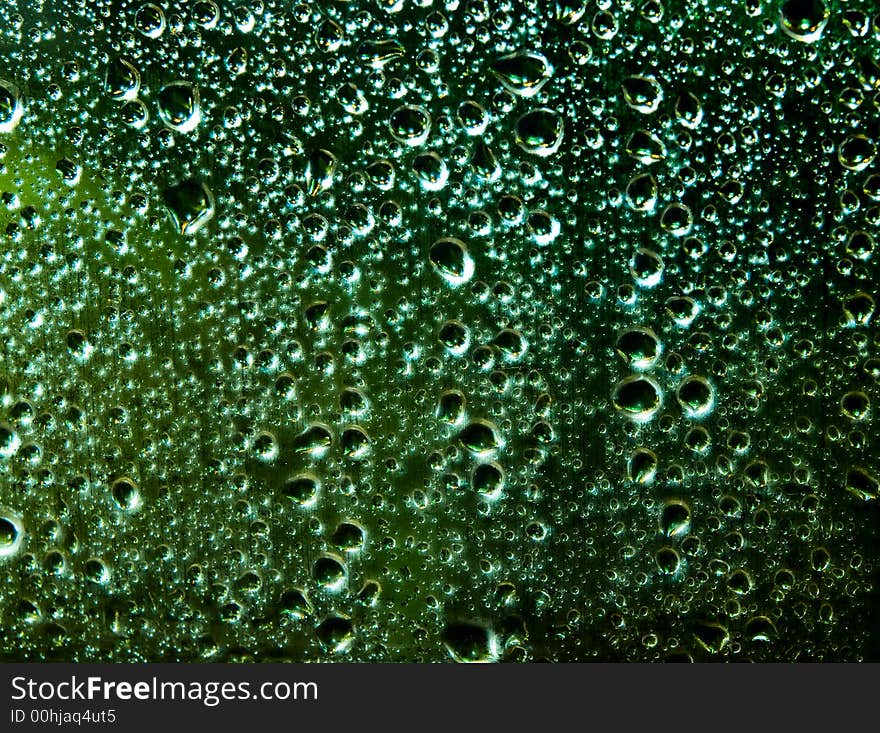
[[469, 642], [480, 437], [451, 260], [410, 124], [11, 107], [540, 132], [149, 20], [179, 106], [190, 204], [11, 535], [123, 80], [642, 93], [523, 73], [804, 20], [637, 397]]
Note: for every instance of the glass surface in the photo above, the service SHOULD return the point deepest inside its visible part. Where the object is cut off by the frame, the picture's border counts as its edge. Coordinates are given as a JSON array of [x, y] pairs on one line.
[[413, 330]]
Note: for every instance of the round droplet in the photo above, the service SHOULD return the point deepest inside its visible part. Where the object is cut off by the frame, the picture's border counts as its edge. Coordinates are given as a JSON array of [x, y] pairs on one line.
[[804, 20], [855, 405], [135, 114], [646, 267], [637, 397], [639, 347], [480, 437], [677, 219], [149, 20], [488, 480], [410, 124], [206, 13], [667, 560], [455, 337], [856, 152]]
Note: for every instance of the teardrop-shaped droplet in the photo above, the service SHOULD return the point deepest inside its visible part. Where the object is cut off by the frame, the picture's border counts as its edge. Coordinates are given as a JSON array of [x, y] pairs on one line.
[[689, 110], [540, 131], [641, 192], [569, 12], [523, 73], [191, 205], [315, 440], [645, 147], [319, 171], [642, 93], [379, 53], [451, 260], [431, 171], [179, 106], [123, 80], [11, 108]]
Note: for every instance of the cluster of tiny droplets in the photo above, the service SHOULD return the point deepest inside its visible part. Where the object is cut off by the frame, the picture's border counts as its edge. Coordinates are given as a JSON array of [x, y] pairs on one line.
[[418, 330]]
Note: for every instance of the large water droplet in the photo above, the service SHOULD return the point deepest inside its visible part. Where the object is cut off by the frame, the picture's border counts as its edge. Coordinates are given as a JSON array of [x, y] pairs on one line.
[[804, 20], [451, 260], [540, 131], [179, 106], [11, 107], [190, 204], [523, 73]]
